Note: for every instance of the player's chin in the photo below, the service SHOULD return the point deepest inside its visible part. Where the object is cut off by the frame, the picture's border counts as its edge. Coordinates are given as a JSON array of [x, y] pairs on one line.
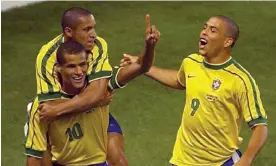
[[202, 52], [89, 46], [78, 85]]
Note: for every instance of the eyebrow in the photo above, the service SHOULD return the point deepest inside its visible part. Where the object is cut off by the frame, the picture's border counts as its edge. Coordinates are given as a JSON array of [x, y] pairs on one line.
[[211, 26], [70, 64]]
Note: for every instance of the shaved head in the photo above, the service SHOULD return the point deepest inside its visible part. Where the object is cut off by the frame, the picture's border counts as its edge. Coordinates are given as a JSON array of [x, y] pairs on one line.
[[232, 29], [70, 17]]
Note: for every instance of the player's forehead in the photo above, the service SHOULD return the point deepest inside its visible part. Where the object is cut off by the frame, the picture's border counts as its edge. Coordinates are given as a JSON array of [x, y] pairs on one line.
[[74, 58], [215, 22], [88, 20]]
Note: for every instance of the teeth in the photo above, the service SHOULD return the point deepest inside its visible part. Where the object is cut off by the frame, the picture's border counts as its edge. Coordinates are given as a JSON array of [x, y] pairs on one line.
[[203, 41], [77, 78]]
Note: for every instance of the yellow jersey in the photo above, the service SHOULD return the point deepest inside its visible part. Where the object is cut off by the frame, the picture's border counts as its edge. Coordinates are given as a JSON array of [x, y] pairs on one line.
[[48, 87], [218, 98], [79, 139]]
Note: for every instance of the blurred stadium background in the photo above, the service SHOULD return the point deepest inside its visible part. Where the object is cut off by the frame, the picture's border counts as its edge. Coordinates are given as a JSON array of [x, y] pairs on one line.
[[148, 113]]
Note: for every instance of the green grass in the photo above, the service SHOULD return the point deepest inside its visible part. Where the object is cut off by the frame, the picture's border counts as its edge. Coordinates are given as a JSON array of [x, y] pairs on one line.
[[149, 113]]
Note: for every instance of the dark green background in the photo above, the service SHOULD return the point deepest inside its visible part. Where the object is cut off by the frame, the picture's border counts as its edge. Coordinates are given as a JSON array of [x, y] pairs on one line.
[[148, 113]]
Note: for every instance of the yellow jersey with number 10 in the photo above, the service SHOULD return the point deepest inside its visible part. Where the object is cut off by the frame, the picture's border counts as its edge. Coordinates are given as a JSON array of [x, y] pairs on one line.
[[79, 139]]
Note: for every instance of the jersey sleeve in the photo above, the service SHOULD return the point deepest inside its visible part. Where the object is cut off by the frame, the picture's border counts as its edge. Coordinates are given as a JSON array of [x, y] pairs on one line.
[[99, 66], [113, 81], [36, 141], [48, 87], [249, 101], [181, 75]]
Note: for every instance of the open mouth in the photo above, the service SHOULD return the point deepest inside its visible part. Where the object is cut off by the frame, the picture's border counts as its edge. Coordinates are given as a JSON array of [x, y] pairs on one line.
[[90, 42], [78, 79], [203, 41]]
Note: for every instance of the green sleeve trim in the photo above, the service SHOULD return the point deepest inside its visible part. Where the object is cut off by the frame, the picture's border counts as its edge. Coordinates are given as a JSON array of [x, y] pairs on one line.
[[31, 152], [255, 122], [113, 82], [49, 96], [257, 104], [99, 75]]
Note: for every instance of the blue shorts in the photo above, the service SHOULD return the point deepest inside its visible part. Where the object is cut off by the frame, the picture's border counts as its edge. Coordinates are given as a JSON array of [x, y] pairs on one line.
[[234, 159], [113, 125]]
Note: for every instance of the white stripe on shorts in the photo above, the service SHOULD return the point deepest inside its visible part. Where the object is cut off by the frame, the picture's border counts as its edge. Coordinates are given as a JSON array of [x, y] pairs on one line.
[[235, 157]]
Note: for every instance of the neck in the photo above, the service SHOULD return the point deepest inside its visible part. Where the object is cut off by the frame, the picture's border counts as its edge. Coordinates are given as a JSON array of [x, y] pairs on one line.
[[218, 59], [66, 38], [72, 90]]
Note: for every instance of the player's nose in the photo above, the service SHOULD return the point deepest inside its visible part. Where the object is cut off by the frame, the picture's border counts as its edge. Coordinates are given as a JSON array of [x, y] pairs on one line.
[[78, 70]]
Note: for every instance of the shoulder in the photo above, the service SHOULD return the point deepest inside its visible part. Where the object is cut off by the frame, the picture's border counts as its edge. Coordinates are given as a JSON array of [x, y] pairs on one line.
[[242, 75], [193, 58], [48, 49], [100, 41]]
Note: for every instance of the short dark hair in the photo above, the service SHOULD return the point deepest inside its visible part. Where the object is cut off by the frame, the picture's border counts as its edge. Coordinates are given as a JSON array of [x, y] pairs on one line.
[[71, 17], [68, 47], [232, 28]]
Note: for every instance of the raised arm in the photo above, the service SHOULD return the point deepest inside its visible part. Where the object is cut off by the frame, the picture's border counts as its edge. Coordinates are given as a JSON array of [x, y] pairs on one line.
[[145, 60]]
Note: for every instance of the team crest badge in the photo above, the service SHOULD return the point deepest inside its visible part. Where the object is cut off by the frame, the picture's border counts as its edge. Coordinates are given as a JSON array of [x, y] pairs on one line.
[[216, 84]]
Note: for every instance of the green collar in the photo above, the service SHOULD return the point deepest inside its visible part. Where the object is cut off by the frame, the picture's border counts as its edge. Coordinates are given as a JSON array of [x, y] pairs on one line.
[[218, 66]]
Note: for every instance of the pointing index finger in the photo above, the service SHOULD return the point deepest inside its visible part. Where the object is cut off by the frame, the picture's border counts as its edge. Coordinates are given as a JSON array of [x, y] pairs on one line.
[[147, 21]]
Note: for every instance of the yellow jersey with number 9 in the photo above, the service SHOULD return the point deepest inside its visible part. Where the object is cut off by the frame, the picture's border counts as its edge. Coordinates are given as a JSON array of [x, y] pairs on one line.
[[218, 98]]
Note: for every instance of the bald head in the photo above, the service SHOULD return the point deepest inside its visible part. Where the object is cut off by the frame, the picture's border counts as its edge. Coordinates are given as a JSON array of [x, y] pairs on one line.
[[70, 17], [232, 29]]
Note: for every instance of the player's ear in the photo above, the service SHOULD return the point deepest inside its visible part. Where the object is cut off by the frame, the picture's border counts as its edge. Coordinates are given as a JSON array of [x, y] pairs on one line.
[[228, 42], [68, 32], [58, 68]]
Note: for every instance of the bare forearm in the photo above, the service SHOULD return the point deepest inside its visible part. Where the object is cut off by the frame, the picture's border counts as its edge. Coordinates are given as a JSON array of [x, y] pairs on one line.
[[142, 65], [256, 142], [86, 100], [33, 161], [166, 77], [147, 58]]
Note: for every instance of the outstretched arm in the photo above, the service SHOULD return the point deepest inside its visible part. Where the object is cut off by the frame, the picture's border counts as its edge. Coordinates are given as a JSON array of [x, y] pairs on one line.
[[166, 77]]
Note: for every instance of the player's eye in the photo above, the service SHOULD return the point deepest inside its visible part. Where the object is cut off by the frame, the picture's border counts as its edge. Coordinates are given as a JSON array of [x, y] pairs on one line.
[[84, 64], [87, 29], [71, 66], [213, 30]]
